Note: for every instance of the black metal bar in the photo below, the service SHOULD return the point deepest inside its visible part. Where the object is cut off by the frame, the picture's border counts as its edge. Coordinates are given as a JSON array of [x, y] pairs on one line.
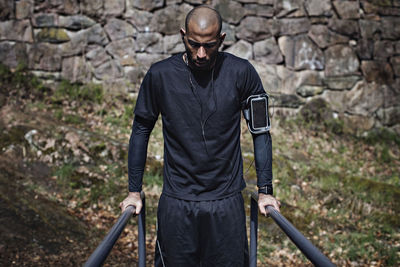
[[253, 232], [142, 235], [100, 254], [308, 249]]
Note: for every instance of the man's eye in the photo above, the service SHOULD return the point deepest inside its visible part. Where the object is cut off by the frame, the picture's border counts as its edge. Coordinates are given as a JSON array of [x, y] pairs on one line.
[[194, 44], [210, 45]]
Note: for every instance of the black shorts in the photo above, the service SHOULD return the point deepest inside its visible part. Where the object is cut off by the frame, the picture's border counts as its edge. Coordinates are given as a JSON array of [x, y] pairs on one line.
[[201, 233]]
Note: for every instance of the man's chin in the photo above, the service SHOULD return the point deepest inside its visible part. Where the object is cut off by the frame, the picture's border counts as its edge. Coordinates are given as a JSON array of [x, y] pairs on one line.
[[202, 66]]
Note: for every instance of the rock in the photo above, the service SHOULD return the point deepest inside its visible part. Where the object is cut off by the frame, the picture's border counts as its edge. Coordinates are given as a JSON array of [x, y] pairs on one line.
[[231, 11], [173, 44], [380, 10], [144, 4], [383, 49], [389, 116], [358, 125], [173, 2], [23, 9], [11, 54], [119, 29], [140, 19], [347, 9], [74, 69], [391, 28], [43, 20], [309, 90], [397, 47], [92, 7], [114, 7], [123, 50], [290, 80], [365, 49], [253, 29], [52, 35], [301, 53], [97, 55], [230, 33], [323, 37], [47, 75], [16, 30], [70, 7], [170, 19], [377, 71], [196, 2], [146, 60], [79, 40], [395, 61], [287, 101], [6, 10], [267, 51], [293, 26], [109, 71], [335, 100], [44, 56], [286, 7], [370, 29], [151, 42], [318, 7], [260, 2], [77, 22], [269, 78], [241, 49], [364, 99], [345, 27], [259, 10], [340, 60], [341, 82], [135, 75]]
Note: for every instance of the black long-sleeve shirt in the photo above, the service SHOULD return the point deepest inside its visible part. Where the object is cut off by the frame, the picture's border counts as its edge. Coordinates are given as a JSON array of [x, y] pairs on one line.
[[201, 115]]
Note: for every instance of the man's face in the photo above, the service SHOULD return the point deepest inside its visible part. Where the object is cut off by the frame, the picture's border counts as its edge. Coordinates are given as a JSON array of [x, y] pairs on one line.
[[202, 45]]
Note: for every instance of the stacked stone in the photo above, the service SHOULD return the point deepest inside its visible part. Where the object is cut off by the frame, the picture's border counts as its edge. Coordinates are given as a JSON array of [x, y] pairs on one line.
[[345, 52]]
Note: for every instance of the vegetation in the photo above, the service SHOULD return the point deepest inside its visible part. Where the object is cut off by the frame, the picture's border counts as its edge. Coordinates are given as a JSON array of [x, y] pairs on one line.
[[340, 190]]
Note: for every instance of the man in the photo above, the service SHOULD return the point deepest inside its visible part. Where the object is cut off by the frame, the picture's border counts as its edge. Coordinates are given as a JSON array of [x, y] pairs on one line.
[[201, 218]]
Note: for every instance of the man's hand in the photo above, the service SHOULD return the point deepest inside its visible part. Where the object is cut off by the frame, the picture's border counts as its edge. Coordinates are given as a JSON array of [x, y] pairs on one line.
[[267, 200], [133, 199]]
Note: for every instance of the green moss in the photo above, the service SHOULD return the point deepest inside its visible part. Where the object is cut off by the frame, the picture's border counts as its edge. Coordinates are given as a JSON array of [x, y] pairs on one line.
[[77, 92], [52, 35]]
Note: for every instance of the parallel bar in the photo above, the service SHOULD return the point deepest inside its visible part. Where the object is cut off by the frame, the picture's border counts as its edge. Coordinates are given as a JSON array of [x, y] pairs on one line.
[[100, 254], [308, 249], [142, 235], [253, 232]]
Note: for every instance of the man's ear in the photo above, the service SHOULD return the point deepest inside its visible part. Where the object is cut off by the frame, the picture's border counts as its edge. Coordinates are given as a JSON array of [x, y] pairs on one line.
[[183, 33], [222, 38]]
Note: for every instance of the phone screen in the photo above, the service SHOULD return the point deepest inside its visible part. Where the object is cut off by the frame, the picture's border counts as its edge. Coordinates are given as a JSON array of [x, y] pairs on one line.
[[259, 113]]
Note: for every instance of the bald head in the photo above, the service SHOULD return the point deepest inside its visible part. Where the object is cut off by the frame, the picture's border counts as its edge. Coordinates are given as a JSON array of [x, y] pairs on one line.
[[203, 17]]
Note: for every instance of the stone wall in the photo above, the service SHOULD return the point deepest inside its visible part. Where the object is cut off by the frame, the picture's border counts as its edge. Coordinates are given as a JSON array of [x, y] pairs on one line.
[[346, 52]]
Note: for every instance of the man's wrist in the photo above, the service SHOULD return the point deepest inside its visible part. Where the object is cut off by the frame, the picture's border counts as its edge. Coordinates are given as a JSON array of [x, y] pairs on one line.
[[267, 189]]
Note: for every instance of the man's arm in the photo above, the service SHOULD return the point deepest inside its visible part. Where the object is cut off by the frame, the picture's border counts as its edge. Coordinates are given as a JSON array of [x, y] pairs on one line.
[[137, 155], [263, 160]]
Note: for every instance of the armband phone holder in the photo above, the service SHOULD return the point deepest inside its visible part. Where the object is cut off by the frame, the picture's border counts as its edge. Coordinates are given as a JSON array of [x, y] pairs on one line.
[[256, 114]]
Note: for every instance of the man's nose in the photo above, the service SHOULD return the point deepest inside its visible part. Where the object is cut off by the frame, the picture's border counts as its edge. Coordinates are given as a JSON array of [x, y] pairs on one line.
[[201, 52]]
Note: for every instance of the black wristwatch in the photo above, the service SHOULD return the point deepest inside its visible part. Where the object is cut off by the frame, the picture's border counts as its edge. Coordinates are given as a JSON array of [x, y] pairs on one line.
[[268, 190]]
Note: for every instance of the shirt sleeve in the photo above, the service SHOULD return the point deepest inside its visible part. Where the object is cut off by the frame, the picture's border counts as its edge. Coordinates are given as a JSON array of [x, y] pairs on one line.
[[249, 82], [263, 158], [147, 104], [137, 153]]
